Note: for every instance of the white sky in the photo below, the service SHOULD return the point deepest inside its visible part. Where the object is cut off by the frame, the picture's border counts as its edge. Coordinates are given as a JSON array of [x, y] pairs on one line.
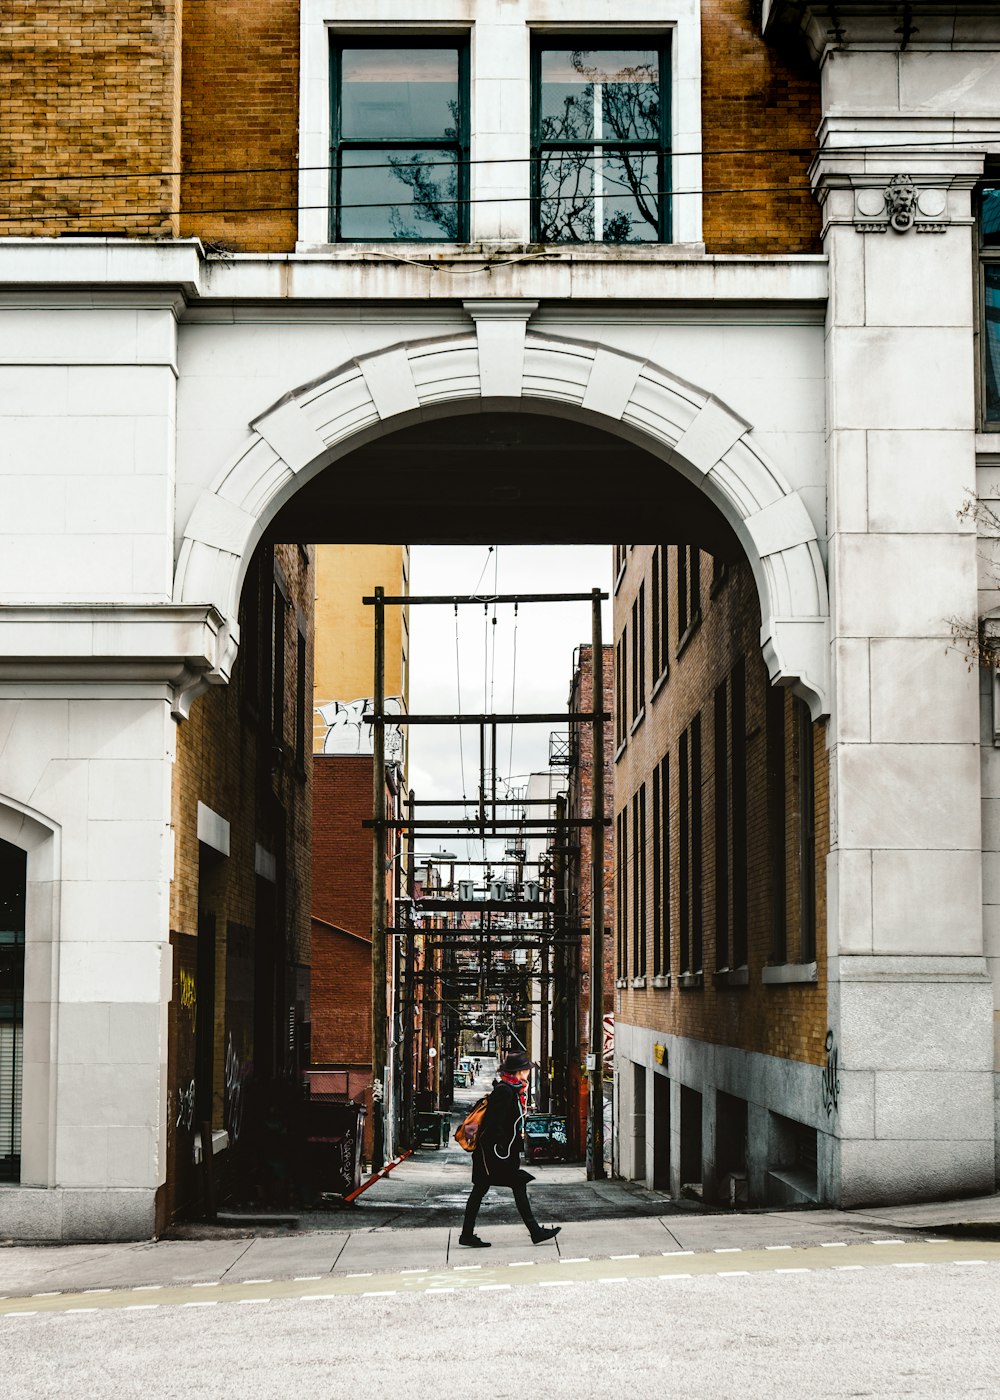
[[496, 671]]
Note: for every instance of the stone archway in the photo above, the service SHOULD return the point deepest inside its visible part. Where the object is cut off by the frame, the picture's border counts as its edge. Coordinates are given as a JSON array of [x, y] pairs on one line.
[[500, 363]]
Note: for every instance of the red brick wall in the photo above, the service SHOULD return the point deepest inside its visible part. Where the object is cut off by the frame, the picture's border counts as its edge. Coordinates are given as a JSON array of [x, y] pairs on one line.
[[341, 997], [342, 847]]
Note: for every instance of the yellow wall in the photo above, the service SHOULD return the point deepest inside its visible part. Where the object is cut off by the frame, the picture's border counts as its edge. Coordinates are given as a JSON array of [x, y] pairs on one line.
[[345, 627]]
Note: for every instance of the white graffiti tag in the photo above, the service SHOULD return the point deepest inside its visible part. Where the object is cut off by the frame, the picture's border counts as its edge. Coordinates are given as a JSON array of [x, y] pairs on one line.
[[348, 733]]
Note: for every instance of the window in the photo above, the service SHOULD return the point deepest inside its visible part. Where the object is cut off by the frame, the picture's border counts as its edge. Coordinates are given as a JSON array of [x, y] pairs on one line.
[[661, 868], [621, 689], [300, 702], [688, 592], [639, 653], [399, 140], [989, 253], [620, 888], [600, 141], [690, 848], [639, 883], [278, 663], [806, 801], [13, 888], [721, 827], [731, 821], [776, 825], [660, 612]]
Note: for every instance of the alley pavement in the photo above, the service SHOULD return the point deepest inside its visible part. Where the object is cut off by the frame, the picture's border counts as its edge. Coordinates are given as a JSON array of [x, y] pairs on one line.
[[405, 1229]]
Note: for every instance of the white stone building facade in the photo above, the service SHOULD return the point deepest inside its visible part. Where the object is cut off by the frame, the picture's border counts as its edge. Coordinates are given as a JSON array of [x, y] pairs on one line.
[[159, 405]]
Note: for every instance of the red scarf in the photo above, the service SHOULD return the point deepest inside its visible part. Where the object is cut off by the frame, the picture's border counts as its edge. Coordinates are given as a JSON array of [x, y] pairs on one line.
[[520, 1086]]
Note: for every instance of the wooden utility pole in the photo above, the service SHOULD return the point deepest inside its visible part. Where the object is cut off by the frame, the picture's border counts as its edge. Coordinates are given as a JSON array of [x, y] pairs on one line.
[[595, 1156], [379, 1042]]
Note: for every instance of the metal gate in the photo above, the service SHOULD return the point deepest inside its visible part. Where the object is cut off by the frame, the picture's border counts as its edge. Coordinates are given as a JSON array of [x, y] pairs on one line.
[[13, 870]]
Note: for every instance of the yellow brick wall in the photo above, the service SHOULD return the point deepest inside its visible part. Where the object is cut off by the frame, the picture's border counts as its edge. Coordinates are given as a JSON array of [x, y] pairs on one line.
[[788, 1021], [760, 109], [90, 116], [240, 123]]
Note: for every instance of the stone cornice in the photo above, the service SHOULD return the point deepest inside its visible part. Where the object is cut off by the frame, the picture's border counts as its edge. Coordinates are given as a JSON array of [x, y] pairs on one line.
[[185, 647], [822, 25], [103, 272]]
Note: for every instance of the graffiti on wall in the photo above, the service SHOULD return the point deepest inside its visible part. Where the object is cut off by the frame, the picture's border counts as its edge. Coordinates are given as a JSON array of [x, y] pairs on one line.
[[185, 1107], [831, 1077], [348, 733], [238, 1071]]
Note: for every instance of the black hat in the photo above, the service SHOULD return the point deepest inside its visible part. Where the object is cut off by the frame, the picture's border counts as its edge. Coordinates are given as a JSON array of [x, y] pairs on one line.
[[516, 1060]]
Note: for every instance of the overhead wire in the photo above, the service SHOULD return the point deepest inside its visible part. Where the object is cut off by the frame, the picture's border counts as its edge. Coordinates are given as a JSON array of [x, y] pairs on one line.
[[929, 143]]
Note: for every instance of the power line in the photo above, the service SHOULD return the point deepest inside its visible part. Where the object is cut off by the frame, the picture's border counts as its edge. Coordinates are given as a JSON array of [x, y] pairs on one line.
[[931, 144]]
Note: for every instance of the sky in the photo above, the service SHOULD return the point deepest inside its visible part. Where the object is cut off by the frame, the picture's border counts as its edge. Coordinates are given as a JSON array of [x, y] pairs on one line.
[[523, 663]]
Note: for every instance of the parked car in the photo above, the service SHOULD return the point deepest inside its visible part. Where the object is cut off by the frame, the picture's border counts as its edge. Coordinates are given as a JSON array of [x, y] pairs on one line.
[[545, 1137]]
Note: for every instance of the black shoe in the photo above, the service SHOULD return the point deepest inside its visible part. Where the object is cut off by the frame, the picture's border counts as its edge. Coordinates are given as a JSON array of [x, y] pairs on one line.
[[474, 1242], [540, 1236]]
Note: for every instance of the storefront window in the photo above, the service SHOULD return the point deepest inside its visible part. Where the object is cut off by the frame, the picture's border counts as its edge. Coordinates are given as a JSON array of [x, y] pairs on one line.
[[989, 247]]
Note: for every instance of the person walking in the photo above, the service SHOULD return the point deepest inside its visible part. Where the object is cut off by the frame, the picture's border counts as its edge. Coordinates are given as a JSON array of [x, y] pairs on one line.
[[497, 1156]]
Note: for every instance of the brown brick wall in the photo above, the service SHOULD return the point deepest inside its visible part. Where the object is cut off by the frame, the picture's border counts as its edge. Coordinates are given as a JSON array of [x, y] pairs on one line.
[[341, 997], [90, 90], [760, 110], [226, 760], [240, 115], [787, 1021]]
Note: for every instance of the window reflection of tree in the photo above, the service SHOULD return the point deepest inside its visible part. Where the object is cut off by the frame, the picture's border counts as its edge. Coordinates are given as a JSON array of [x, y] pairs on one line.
[[630, 111], [434, 199]]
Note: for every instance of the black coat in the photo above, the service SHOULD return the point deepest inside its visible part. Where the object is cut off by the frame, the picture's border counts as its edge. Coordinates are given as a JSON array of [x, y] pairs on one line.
[[500, 1141]]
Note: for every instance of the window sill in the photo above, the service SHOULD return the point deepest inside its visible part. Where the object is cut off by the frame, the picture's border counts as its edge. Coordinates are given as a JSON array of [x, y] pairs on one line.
[[732, 977], [660, 682], [637, 721], [621, 981], [638, 982], [786, 974], [661, 981], [685, 637], [621, 749], [691, 979]]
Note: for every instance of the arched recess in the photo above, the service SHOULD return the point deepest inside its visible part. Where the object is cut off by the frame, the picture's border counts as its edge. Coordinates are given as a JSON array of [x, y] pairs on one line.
[[501, 364], [38, 837]]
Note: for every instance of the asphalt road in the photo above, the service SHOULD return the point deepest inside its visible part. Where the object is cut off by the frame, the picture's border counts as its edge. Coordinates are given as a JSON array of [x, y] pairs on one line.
[[917, 1319]]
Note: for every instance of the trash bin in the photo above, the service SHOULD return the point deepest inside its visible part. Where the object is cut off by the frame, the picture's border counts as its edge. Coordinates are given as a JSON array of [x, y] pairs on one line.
[[433, 1128], [334, 1136]]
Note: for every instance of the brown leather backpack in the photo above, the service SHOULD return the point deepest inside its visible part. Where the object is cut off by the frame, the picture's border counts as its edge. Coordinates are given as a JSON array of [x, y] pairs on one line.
[[468, 1130]]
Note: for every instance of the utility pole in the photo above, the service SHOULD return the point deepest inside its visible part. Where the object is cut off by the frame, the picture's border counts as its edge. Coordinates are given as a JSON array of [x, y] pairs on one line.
[[595, 1157], [378, 890]]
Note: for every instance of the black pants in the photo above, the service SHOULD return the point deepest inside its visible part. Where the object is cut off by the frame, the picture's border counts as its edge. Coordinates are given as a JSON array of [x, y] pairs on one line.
[[520, 1190]]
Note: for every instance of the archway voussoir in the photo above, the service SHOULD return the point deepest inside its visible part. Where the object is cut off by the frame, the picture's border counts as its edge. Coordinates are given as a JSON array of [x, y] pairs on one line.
[[389, 378]]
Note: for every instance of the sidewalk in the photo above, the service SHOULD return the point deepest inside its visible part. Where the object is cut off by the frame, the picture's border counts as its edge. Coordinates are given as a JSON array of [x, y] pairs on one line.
[[411, 1220]]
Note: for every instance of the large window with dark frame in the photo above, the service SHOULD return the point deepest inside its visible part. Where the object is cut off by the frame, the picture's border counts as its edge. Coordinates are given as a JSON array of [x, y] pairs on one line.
[[731, 894], [621, 689], [621, 858], [690, 854], [600, 130], [661, 868], [659, 612], [13, 890], [399, 149], [806, 802], [989, 262], [639, 882], [639, 653], [688, 591]]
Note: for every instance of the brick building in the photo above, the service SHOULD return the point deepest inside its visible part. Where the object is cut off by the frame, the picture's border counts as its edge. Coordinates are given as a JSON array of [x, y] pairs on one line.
[[724, 273], [721, 843], [571, 1013], [238, 1034]]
